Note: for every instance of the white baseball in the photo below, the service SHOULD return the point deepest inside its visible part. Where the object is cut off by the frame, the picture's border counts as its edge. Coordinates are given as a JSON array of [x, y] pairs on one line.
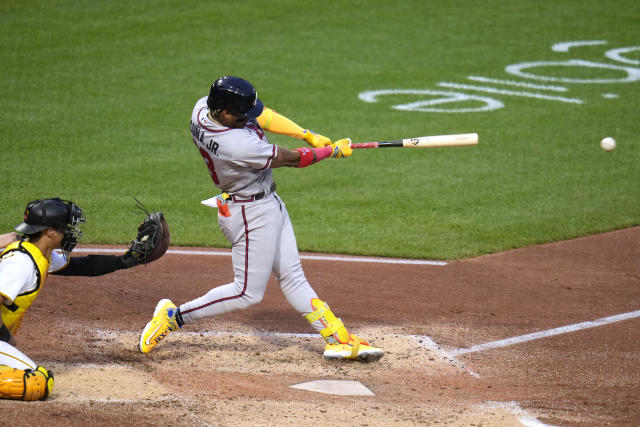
[[608, 144]]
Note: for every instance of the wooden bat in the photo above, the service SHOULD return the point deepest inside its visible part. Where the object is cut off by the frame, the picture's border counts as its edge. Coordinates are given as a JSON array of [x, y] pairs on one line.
[[424, 141]]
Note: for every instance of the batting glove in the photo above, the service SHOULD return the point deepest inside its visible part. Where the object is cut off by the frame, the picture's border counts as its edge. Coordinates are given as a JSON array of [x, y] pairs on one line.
[[341, 148], [315, 139]]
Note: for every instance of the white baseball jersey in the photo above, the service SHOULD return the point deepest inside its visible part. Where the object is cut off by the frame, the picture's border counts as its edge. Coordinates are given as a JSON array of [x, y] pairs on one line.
[[238, 159], [18, 274]]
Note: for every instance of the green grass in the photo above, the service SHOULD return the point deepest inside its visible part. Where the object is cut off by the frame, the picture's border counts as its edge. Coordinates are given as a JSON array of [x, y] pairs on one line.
[[96, 99]]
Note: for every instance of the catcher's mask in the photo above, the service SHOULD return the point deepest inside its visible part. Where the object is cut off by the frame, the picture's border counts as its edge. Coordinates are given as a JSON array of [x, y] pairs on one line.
[[63, 215], [235, 95]]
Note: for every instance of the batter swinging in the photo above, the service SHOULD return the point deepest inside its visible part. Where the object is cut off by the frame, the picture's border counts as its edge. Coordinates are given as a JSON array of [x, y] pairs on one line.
[[227, 129]]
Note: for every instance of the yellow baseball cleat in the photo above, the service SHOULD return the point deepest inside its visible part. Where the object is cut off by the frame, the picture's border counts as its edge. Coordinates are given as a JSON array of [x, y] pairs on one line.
[[163, 322], [356, 348]]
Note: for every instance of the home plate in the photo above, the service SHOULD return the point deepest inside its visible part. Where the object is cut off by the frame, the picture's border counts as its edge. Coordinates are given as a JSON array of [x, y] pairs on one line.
[[339, 387]]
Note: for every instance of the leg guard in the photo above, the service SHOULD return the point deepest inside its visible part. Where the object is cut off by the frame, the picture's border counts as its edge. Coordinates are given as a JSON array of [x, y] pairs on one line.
[[334, 331], [25, 384], [340, 343]]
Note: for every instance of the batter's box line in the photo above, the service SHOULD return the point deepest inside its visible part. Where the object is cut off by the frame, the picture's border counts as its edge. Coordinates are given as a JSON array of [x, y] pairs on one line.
[[85, 399], [548, 333], [113, 333], [428, 343], [523, 416]]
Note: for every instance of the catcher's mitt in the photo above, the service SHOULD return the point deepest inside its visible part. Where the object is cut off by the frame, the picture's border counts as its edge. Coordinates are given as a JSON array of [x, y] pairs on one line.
[[152, 241]]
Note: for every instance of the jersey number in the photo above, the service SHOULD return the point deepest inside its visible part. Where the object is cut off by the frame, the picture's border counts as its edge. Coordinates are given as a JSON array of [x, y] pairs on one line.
[[209, 163]]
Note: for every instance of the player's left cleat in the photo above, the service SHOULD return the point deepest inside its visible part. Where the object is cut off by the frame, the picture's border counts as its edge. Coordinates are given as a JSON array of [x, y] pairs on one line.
[[340, 343], [163, 322], [355, 349]]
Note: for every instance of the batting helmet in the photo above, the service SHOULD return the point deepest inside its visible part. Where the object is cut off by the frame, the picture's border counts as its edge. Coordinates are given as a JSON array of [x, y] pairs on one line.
[[63, 215], [235, 95]]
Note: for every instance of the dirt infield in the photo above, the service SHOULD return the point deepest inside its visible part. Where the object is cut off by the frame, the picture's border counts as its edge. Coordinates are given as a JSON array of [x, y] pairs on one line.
[[238, 369]]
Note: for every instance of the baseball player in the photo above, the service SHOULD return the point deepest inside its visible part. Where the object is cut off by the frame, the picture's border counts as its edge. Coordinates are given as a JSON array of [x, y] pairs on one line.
[[228, 130], [50, 231]]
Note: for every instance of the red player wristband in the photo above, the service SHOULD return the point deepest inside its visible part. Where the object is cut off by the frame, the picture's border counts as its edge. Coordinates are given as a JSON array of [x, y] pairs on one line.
[[309, 156]]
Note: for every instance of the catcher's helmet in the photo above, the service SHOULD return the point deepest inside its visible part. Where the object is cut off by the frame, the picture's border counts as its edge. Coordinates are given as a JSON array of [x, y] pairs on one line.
[[235, 95], [63, 215]]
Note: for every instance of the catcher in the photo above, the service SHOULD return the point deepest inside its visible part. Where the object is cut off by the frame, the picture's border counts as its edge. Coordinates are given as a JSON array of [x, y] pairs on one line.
[[49, 232]]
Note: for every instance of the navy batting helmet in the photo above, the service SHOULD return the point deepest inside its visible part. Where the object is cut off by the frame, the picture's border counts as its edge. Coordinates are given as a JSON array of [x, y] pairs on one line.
[[235, 95], [62, 215]]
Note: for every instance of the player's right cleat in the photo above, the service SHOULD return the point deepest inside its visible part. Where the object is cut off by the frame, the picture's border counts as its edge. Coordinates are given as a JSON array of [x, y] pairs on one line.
[[355, 349], [163, 322]]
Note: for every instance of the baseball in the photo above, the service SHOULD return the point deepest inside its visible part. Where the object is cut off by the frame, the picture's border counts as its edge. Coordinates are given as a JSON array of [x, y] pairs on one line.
[[608, 144]]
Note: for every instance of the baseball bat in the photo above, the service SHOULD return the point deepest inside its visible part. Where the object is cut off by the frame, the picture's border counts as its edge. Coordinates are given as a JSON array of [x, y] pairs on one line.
[[424, 141]]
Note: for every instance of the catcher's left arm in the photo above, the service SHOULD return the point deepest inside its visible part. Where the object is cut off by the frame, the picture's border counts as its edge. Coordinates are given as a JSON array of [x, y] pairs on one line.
[[151, 242]]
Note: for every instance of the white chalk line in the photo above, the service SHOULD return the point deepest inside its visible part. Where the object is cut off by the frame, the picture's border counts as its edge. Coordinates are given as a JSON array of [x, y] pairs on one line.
[[302, 256], [427, 342], [548, 333], [519, 84], [83, 399], [523, 416], [565, 46], [509, 92]]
